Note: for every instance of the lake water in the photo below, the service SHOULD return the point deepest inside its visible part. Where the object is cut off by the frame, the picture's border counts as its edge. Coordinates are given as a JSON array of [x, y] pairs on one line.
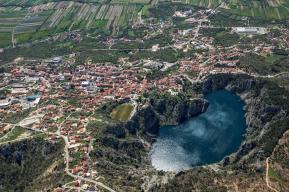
[[204, 139]]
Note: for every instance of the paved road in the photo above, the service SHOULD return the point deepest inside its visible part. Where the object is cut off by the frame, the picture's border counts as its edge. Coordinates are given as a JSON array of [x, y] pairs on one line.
[[138, 49], [66, 155], [270, 76], [67, 161]]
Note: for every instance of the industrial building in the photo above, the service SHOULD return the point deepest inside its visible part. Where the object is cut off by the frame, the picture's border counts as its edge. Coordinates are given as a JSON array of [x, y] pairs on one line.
[[249, 30]]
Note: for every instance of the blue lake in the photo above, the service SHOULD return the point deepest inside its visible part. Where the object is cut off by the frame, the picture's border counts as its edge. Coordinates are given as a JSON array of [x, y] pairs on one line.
[[204, 139]]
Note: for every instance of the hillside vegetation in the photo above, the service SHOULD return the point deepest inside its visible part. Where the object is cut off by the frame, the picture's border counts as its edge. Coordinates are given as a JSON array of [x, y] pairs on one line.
[[24, 162]]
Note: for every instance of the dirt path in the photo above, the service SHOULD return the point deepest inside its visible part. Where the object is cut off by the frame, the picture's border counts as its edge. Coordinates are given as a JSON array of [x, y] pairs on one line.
[[267, 177], [236, 187]]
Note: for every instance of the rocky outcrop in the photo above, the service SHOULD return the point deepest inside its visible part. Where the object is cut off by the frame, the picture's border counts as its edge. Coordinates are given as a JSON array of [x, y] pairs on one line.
[[175, 112], [266, 105], [165, 111], [236, 83], [168, 110], [122, 152], [22, 163], [267, 116]]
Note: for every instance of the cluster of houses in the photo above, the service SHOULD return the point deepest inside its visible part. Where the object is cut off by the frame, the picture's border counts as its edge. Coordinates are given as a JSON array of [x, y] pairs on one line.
[[62, 89], [18, 91]]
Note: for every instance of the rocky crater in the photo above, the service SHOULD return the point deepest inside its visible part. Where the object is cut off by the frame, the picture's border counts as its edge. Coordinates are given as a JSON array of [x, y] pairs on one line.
[[267, 117]]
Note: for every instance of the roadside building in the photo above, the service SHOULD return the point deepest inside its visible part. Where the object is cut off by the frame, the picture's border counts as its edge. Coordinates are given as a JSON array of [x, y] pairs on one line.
[[249, 30], [4, 103]]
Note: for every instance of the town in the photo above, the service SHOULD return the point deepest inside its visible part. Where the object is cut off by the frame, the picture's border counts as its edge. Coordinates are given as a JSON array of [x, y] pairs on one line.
[[58, 97]]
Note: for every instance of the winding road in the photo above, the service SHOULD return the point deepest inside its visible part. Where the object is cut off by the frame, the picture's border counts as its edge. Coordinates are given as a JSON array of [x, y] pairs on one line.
[[66, 152], [267, 176]]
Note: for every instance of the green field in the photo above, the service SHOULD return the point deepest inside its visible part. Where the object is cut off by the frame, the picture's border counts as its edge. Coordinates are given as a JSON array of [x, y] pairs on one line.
[[5, 39], [267, 9], [122, 112], [31, 20], [13, 134]]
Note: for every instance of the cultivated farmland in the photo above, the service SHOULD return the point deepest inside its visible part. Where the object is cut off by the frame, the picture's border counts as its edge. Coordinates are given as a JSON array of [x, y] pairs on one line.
[[268, 9], [39, 20], [24, 20]]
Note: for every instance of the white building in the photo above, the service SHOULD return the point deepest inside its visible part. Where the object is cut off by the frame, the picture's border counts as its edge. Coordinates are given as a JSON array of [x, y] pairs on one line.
[[85, 83], [4, 103], [250, 30]]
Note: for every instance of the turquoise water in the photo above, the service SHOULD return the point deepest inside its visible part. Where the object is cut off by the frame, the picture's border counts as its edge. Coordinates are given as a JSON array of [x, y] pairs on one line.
[[204, 139]]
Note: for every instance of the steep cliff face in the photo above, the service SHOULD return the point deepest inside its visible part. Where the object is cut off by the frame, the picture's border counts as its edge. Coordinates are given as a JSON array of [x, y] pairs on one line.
[[237, 83], [267, 116], [122, 152], [23, 163], [175, 112], [123, 156], [266, 105], [165, 111]]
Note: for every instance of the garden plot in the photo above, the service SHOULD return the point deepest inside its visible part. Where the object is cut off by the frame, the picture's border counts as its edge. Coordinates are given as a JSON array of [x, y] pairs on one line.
[[113, 15], [29, 24], [270, 9], [92, 16], [43, 7], [102, 11], [128, 15], [131, 1], [25, 3], [10, 17]]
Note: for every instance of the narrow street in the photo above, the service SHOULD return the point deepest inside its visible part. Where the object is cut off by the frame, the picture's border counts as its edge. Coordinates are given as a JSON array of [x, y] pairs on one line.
[[66, 152]]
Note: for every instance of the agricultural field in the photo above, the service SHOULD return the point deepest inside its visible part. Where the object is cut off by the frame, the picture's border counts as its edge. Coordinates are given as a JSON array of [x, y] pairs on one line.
[[29, 3], [71, 15], [26, 20], [39, 21], [5, 39], [22, 2], [267, 9]]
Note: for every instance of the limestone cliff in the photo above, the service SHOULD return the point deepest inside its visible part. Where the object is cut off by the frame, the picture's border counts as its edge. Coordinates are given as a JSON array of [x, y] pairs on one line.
[[267, 116], [24, 164], [123, 148], [165, 111]]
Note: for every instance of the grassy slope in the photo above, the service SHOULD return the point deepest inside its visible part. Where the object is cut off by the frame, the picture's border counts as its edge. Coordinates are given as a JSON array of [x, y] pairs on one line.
[[122, 112]]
